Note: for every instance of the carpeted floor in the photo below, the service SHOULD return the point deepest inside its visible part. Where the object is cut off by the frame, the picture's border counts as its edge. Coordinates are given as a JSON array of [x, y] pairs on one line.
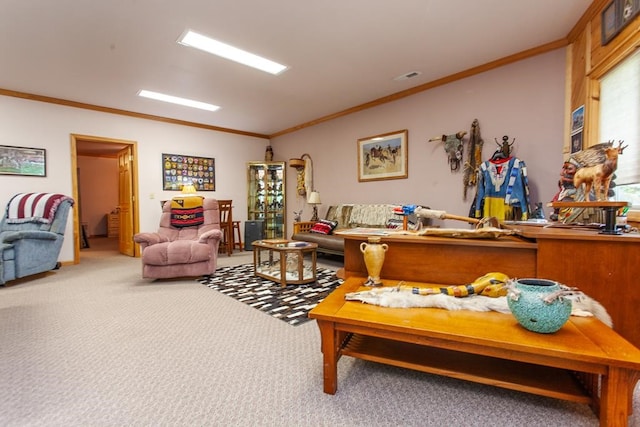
[[95, 344], [290, 304]]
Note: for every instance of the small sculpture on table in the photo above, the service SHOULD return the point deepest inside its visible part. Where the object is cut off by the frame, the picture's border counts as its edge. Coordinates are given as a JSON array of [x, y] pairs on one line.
[[592, 168], [598, 176]]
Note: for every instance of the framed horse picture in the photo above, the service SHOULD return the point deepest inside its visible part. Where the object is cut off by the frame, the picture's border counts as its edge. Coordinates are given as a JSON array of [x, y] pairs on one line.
[[383, 156]]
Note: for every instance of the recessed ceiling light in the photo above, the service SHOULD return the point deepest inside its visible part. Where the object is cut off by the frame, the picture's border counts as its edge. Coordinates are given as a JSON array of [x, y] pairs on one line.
[[193, 39], [178, 100]]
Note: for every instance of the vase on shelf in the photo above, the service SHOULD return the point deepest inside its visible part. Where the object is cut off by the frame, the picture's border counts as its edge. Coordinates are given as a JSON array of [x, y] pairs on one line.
[[373, 252], [538, 304]]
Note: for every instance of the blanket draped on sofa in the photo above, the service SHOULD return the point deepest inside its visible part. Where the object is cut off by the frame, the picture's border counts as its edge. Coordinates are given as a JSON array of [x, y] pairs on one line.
[[349, 216]]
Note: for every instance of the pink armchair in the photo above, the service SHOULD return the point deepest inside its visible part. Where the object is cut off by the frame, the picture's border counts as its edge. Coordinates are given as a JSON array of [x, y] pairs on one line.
[[179, 249]]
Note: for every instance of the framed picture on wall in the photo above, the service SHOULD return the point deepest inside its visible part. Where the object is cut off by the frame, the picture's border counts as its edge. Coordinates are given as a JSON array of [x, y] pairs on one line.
[[628, 11], [617, 15], [180, 169], [383, 156], [609, 22], [576, 142], [22, 161], [577, 119]]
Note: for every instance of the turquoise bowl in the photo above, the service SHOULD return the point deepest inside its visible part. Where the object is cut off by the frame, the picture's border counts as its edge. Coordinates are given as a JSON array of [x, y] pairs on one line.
[[527, 304]]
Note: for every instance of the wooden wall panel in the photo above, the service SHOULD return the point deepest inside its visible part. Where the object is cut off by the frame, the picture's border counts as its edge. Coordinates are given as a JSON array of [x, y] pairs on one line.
[[605, 57], [578, 71], [589, 61]]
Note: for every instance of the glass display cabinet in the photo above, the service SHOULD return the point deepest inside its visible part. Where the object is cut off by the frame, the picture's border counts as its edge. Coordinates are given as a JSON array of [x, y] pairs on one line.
[[266, 197]]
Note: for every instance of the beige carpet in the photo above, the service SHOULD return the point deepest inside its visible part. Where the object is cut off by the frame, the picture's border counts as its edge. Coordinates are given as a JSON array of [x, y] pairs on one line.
[[95, 345]]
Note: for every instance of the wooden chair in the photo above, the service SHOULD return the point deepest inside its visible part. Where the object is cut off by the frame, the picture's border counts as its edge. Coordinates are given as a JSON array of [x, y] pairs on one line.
[[236, 234], [226, 225]]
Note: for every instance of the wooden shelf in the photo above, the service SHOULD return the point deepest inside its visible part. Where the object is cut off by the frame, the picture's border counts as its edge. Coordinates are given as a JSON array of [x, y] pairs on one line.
[[593, 204], [609, 208], [526, 377]]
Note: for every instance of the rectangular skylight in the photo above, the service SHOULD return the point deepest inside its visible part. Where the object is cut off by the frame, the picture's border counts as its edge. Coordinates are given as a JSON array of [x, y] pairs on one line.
[[178, 100], [193, 39]]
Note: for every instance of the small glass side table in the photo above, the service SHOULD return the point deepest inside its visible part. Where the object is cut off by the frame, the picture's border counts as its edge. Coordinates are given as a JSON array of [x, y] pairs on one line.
[[287, 262]]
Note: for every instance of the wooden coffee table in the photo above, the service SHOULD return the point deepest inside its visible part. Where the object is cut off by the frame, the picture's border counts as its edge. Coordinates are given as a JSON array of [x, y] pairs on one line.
[[488, 348], [285, 261]]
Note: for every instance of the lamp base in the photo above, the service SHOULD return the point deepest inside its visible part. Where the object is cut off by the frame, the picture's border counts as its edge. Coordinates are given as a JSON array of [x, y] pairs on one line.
[[314, 217]]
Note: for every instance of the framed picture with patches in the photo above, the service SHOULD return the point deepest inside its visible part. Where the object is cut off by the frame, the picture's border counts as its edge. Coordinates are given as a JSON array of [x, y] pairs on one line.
[[179, 170], [383, 156]]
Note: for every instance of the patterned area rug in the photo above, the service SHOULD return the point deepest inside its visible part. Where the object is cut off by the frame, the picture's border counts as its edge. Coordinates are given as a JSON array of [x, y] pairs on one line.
[[291, 303]]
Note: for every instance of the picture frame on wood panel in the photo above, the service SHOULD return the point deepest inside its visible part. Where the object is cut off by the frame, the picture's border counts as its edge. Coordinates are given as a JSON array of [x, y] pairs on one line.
[[615, 16], [609, 22], [384, 156], [628, 11]]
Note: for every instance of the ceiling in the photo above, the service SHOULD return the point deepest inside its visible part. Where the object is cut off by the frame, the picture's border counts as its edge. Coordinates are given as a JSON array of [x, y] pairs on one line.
[[340, 53]]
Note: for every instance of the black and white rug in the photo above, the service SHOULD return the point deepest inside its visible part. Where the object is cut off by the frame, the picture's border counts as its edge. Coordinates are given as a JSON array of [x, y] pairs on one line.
[[291, 303]]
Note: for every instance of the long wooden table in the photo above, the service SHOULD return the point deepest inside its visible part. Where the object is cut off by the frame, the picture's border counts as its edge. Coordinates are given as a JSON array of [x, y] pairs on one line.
[[489, 348], [605, 267]]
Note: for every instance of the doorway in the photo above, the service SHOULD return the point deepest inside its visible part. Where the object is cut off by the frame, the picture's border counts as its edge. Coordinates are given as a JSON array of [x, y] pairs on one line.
[[122, 154]]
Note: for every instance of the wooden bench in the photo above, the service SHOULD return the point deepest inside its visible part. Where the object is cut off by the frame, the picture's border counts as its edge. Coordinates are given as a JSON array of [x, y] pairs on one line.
[[488, 348]]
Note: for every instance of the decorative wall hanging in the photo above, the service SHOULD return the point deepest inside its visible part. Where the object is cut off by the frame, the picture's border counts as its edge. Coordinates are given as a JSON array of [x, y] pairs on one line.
[[454, 148], [178, 170], [304, 174], [383, 156], [471, 166], [22, 161]]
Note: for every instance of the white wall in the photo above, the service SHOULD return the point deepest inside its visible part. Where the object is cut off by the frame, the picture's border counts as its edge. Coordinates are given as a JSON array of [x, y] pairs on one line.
[[36, 124], [524, 100]]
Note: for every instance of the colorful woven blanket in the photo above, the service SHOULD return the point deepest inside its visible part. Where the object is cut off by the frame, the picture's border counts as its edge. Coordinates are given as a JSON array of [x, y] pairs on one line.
[[187, 211], [39, 207]]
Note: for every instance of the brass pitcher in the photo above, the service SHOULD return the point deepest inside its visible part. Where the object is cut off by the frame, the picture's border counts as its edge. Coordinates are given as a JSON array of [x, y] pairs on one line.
[[373, 253]]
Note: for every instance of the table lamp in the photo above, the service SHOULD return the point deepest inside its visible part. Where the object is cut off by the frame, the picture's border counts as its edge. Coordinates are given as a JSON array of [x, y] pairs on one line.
[[314, 200], [188, 189]]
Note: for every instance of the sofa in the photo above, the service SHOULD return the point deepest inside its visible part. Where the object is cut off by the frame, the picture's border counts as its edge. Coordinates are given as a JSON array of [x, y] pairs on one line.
[[347, 216]]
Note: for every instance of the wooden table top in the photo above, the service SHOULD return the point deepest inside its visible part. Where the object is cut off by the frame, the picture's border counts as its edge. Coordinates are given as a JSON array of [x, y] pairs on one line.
[[580, 341]]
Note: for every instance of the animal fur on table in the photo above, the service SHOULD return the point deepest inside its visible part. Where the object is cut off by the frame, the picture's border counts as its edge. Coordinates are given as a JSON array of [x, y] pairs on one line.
[[582, 305], [478, 233]]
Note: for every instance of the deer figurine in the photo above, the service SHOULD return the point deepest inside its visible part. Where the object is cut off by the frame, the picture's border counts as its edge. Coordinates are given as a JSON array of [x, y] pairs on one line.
[[599, 176]]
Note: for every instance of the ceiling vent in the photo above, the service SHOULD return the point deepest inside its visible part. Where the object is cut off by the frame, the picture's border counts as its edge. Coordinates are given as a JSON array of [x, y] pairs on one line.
[[409, 75]]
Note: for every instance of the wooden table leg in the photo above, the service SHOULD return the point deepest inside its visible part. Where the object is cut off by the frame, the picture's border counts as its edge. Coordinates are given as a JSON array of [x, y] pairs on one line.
[[329, 356], [616, 396]]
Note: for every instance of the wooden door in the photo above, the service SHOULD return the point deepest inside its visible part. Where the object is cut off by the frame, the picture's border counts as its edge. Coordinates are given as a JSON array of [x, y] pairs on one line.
[[125, 202]]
